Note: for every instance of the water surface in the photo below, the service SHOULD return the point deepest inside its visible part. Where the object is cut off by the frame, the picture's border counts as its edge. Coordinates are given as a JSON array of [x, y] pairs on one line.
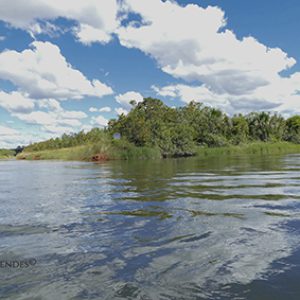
[[212, 228]]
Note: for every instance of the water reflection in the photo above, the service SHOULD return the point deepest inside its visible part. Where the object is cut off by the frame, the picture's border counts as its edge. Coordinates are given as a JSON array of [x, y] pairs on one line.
[[217, 228]]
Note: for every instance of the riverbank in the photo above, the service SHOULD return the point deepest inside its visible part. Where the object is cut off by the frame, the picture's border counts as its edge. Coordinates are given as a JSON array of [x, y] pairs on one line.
[[98, 152], [94, 152], [251, 148], [6, 154]]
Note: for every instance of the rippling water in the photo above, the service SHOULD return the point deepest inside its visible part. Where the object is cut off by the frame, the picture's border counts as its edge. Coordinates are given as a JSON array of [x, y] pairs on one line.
[[217, 228]]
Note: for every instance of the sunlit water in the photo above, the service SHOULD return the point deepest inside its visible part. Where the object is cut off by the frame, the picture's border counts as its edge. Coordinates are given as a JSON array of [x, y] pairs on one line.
[[217, 228]]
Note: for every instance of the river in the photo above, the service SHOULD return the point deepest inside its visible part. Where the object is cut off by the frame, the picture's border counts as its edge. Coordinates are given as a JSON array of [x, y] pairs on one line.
[[210, 228]]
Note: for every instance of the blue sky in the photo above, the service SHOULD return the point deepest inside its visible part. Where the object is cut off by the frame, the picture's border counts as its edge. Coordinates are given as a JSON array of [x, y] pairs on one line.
[[68, 65]]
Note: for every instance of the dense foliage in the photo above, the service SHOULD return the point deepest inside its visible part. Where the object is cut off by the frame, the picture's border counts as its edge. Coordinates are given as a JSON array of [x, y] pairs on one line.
[[177, 131], [96, 135], [180, 131]]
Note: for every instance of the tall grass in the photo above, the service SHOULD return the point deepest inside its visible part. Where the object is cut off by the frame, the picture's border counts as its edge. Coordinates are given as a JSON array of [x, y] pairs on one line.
[[105, 150], [123, 150], [5, 153], [251, 148]]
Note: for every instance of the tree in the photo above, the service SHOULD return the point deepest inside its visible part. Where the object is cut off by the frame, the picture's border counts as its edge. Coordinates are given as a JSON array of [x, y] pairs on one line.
[[239, 130], [292, 130], [259, 127]]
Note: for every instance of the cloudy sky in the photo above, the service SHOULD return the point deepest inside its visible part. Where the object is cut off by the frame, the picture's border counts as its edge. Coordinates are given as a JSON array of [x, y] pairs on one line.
[[70, 65]]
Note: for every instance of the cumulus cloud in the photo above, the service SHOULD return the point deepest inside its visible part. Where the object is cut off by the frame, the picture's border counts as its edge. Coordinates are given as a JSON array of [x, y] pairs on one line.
[[192, 43], [51, 124], [93, 109], [69, 118], [16, 102], [126, 98], [229, 103], [187, 41], [49, 115], [43, 72], [99, 121], [36, 117], [96, 19], [58, 130], [11, 138], [49, 104], [87, 34], [102, 109], [43, 78], [105, 109], [7, 131]]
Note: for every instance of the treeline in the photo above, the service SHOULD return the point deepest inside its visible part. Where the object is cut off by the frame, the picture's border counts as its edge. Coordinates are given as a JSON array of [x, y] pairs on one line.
[[179, 131], [71, 140]]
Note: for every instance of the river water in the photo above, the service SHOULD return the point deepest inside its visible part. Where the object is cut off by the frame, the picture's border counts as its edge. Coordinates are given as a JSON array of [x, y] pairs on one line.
[[211, 228]]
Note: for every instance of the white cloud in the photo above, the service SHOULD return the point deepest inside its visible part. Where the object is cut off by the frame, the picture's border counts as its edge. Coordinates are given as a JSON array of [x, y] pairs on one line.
[[43, 72], [87, 34], [11, 138], [16, 102], [93, 109], [58, 130], [200, 49], [166, 91], [2, 38], [63, 117], [102, 109], [69, 122], [70, 114], [124, 99], [193, 93], [48, 114], [100, 121], [36, 117], [121, 111], [7, 131], [96, 19], [49, 104], [52, 116], [191, 43], [229, 103], [105, 109]]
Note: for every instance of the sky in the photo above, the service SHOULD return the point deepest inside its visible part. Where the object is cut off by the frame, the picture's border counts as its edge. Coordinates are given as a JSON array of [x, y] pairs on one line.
[[71, 65]]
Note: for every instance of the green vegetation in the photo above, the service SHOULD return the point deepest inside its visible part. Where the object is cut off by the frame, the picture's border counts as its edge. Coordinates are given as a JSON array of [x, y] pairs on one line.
[[181, 131], [5, 153], [153, 130], [251, 148], [94, 152]]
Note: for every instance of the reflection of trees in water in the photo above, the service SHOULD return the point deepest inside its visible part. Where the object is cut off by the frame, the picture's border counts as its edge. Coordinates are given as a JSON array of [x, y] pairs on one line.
[[150, 179]]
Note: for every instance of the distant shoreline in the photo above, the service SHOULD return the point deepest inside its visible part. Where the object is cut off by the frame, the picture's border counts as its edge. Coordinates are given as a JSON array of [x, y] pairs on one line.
[[153, 130], [85, 152]]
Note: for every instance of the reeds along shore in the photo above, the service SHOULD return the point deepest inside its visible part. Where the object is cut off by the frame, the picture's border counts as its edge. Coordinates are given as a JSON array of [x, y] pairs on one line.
[[6, 154], [95, 153]]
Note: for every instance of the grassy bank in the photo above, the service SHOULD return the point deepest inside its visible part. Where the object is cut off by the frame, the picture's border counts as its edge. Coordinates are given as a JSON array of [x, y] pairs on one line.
[[153, 130], [251, 148], [125, 151], [94, 152], [6, 154]]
